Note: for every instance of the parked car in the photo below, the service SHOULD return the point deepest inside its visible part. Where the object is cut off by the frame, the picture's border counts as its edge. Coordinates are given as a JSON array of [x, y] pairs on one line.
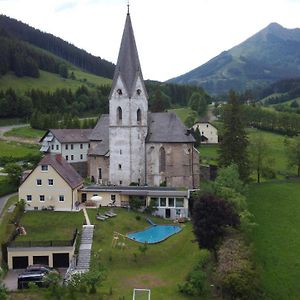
[[39, 268], [37, 278]]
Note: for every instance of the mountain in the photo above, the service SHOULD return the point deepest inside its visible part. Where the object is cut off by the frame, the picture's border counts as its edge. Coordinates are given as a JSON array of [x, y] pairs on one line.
[[271, 54], [13, 29]]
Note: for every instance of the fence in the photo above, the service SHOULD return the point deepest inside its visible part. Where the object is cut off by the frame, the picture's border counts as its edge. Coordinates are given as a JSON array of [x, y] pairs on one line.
[[54, 243]]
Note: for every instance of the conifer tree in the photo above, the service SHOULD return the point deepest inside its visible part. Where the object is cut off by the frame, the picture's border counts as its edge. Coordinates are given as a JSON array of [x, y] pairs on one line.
[[234, 141]]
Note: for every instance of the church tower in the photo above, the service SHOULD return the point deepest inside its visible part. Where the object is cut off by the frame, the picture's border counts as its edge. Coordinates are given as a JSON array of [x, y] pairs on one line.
[[128, 109]]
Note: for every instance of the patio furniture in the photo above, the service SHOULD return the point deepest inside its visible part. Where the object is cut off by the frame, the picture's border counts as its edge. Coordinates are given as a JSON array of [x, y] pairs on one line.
[[110, 214], [100, 218]]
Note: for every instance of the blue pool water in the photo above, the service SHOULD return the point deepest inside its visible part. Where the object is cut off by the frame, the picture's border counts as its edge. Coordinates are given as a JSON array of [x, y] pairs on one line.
[[154, 234]]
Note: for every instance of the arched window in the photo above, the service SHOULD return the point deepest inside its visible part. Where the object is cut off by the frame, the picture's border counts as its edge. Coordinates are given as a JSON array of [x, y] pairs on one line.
[[138, 115], [162, 159], [119, 114]]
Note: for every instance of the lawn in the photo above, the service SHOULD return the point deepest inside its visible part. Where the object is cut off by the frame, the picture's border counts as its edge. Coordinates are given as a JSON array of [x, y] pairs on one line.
[[161, 268], [46, 226], [26, 132], [276, 207], [209, 154], [17, 150]]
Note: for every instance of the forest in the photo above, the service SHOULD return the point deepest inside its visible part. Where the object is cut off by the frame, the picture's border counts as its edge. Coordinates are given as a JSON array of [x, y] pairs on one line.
[[16, 30]]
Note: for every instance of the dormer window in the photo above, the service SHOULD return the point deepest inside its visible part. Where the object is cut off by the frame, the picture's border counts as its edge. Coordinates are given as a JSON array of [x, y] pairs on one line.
[[119, 91], [138, 91]]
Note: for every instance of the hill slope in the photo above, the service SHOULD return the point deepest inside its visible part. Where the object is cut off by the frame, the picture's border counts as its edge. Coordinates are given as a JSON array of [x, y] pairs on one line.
[[270, 55], [78, 57]]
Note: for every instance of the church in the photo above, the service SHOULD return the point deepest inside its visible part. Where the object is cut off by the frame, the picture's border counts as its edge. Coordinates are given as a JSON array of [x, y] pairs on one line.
[[131, 145]]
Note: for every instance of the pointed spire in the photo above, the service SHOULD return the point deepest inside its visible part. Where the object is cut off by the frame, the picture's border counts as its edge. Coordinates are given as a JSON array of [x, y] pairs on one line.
[[128, 7], [128, 65]]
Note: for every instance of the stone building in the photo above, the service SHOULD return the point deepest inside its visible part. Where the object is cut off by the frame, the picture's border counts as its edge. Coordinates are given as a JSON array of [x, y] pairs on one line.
[[134, 146]]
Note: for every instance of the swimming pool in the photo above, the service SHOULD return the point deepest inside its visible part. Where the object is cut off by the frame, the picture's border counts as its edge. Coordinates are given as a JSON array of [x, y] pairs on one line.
[[154, 234]]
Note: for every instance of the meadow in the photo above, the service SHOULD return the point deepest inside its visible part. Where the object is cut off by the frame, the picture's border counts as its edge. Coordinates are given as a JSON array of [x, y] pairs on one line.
[[50, 81], [17, 150], [26, 132], [276, 207]]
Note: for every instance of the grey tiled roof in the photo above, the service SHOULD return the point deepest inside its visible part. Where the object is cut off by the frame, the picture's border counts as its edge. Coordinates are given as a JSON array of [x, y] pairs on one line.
[[70, 135], [100, 134], [165, 127], [64, 169], [128, 64]]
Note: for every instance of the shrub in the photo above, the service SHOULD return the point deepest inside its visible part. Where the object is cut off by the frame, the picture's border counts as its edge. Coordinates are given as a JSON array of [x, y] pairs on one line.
[[196, 281], [235, 274]]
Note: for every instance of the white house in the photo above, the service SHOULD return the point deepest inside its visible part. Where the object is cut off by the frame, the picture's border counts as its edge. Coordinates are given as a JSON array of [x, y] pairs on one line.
[[209, 133], [72, 144]]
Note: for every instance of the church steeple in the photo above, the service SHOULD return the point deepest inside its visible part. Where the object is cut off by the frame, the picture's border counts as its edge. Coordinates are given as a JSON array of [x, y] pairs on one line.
[[128, 65]]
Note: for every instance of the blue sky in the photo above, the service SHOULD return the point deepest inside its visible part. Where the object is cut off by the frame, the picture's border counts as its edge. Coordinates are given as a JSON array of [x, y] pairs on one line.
[[172, 36]]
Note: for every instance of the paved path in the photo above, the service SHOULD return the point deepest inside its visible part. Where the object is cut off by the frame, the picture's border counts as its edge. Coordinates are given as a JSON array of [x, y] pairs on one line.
[[4, 199], [18, 139], [4, 129]]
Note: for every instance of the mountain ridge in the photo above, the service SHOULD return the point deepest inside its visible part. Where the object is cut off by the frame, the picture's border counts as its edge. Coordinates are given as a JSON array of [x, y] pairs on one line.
[[271, 54]]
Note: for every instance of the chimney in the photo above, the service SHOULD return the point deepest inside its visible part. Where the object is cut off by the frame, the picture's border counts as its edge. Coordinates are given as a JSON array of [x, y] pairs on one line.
[[58, 158]]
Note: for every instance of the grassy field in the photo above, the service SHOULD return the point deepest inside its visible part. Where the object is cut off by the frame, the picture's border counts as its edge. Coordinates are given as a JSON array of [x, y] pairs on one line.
[[161, 268], [209, 153], [26, 132], [46, 226], [50, 81], [17, 150], [182, 113], [276, 207]]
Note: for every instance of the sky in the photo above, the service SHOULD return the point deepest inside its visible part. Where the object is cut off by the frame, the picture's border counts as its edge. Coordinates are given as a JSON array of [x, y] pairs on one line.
[[172, 36]]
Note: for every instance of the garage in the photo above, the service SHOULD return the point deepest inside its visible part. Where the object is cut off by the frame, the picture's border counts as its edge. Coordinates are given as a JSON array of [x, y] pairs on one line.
[[43, 260], [20, 262], [60, 260]]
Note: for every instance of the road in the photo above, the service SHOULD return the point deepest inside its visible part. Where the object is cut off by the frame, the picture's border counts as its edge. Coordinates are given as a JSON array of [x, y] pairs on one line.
[[3, 201]]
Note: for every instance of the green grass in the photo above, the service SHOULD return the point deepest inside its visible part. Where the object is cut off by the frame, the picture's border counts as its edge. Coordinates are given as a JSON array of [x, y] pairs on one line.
[[182, 113], [6, 227], [26, 132], [209, 153], [10, 121], [6, 187], [162, 267], [47, 225], [50, 81], [276, 207], [17, 150]]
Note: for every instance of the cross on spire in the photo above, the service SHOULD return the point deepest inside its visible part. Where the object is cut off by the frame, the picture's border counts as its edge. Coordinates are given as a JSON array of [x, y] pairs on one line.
[[128, 7]]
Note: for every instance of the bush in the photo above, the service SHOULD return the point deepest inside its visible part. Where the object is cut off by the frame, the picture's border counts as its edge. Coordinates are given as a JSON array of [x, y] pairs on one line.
[[235, 274], [196, 280]]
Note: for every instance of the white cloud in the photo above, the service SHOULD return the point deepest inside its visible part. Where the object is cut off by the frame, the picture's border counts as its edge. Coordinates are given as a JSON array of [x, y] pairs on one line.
[[172, 36]]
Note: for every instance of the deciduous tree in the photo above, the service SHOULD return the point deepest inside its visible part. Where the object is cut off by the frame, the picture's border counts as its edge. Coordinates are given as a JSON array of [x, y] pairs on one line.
[[211, 215]]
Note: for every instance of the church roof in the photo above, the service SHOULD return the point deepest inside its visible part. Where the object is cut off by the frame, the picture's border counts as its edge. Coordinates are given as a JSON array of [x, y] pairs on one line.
[[128, 65], [100, 133], [165, 127]]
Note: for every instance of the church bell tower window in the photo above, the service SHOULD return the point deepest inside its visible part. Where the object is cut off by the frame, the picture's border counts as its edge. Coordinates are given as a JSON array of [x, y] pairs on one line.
[[119, 114], [138, 115], [119, 91]]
